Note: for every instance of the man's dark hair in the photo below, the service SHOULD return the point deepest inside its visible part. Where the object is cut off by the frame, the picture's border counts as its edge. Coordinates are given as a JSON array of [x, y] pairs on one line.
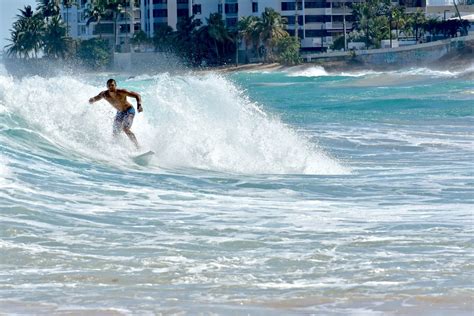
[[110, 81]]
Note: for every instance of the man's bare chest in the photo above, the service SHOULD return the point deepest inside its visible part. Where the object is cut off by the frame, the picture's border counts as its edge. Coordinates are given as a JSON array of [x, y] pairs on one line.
[[116, 98]]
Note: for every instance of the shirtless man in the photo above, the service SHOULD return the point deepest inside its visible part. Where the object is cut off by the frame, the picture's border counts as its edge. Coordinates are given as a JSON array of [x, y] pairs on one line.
[[125, 111]]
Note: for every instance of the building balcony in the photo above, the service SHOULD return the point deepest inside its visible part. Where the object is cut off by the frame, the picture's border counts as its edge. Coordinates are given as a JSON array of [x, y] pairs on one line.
[[104, 29], [315, 25], [341, 11]]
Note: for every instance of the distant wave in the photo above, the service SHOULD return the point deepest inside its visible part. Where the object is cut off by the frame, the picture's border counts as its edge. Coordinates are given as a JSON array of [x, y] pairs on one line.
[[316, 71], [320, 71]]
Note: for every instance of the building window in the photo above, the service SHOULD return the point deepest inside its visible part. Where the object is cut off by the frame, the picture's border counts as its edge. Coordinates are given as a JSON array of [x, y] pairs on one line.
[[183, 12], [160, 1], [231, 8], [125, 28], [292, 33], [337, 18], [160, 13], [137, 27], [219, 8], [316, 19], [103, 28], [413, 3], [317, 4], [315, 33], [82, 29], [231, 22], [183, 1], [290, 6], [197, 9], [290, 19], [254, 7]]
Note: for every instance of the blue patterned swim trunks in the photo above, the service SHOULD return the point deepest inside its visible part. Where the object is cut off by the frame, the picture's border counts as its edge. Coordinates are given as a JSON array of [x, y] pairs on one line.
[[123, 119]]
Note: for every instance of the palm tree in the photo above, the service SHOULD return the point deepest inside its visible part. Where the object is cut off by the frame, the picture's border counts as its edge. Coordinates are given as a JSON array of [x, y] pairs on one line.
[[54, 39], [417, 20], [399, 18], [26, 35], [48, 8], [139, 38], [115, 8], [217, 31], [364, 19], [95, 12], [162, 37], [246, 31], [183, 38], [271, 27], [15, 48], [110, 9]]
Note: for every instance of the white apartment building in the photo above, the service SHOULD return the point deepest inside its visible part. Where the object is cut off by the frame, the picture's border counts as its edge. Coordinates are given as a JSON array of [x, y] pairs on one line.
[[129, 21], [317, 22]]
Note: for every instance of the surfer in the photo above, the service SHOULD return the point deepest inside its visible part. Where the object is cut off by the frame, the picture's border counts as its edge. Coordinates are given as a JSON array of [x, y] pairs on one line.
[[125, 112]]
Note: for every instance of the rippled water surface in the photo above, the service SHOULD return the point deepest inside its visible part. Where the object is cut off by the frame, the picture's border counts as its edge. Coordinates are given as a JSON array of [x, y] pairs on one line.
[[270, 193]]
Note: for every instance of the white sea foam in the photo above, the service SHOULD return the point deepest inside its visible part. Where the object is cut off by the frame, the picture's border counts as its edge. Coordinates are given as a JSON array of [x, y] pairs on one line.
[[316, 71], [203, 122], [207, 122], [5, 172]]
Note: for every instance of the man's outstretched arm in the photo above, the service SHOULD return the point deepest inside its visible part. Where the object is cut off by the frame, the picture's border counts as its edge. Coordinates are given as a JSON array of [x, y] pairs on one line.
[[96, 98]]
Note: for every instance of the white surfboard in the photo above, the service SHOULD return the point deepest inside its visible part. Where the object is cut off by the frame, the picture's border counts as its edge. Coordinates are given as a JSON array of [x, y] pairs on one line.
[[143, 159]]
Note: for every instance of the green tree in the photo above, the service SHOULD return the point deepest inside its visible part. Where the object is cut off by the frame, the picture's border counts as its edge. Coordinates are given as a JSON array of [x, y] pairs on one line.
[[48, 8], [114, 8], [246, 28], [94, 53], [140, 38], [184, 39], [416, 22], [271, 27], [162, 38], [431, 25], [217, 32], [338, 43], [372, 18], [95, 11], [54, 39], [399, 19], [288, 50], [26, 35]]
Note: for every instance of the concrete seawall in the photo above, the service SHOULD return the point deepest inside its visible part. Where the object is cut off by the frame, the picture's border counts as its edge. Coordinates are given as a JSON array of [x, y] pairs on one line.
[[426, 54]]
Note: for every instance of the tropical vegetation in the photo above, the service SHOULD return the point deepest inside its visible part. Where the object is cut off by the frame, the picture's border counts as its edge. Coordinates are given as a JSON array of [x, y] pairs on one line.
[[44, 33], [376, 20], [94, 53], [213, 43]]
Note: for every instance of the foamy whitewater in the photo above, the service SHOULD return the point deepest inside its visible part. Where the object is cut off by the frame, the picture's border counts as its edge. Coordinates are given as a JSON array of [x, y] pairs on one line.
[[275, 193]]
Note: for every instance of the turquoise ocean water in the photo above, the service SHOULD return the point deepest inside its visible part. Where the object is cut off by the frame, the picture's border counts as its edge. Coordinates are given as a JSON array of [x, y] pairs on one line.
[[279, 193]]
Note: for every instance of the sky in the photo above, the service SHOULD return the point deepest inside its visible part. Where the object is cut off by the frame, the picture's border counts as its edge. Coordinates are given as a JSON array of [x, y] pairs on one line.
[[8, 11]]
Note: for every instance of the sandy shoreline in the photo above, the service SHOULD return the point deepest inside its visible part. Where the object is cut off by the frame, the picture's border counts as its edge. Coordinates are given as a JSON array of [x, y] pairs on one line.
[[456, 61]]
